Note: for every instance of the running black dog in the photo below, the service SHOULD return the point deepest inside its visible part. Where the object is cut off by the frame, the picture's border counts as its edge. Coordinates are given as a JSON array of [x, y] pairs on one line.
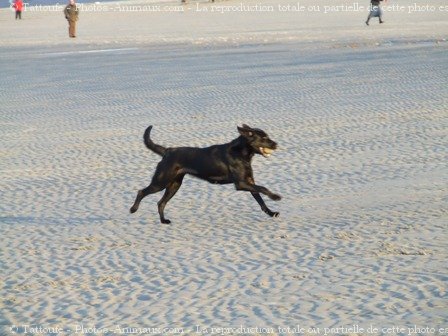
[[219, 164]]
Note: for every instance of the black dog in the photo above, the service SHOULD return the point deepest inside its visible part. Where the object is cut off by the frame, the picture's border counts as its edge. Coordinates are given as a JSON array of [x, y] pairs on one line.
[[219, 164]]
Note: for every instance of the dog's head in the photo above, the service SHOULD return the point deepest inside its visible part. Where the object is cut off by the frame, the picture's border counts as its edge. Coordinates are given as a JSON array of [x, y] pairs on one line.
[[258, 140]]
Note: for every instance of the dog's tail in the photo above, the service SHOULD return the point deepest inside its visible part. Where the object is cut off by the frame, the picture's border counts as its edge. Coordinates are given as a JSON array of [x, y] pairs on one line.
[[151, 145]]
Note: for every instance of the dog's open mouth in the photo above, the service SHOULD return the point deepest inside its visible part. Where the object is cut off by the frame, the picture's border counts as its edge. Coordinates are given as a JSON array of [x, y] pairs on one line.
[[266, 152]]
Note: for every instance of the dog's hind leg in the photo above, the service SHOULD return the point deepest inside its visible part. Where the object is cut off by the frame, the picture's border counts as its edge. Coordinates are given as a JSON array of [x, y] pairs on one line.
[[161, 179], [151, 189], [170, 191], [263, 205]]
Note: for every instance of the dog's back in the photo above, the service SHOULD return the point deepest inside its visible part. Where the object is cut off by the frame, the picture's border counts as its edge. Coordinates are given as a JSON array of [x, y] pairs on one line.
[[206, 163]]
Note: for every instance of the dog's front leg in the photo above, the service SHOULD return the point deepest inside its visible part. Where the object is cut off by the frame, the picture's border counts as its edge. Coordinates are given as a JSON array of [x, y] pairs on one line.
[[263, 205], [243, 185], [259, 199]]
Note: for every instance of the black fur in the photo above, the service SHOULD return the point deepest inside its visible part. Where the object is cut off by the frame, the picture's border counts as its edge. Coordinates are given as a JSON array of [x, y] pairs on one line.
[[218, 164]]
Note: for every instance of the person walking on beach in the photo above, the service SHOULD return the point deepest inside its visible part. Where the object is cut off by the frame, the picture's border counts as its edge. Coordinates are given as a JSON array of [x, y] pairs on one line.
[[71, 12], [375, 11], [18, 5]]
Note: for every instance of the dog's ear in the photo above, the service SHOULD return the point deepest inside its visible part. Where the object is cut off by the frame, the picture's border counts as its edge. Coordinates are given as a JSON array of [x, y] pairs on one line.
[[245, 131]]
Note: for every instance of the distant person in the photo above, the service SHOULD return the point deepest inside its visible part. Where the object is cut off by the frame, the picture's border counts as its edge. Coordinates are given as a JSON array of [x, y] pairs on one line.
[[71, 12], [18, 5], [375, 11]]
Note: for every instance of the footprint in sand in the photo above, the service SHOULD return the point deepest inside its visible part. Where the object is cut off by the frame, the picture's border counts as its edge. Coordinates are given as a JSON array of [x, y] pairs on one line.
[[326, 257]]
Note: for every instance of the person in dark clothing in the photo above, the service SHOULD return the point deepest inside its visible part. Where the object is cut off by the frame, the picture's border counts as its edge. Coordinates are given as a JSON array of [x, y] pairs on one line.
[[71, 12], [375, 11]]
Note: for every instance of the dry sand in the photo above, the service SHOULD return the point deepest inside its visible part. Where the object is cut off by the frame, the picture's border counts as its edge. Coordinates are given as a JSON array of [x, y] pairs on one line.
[[360, 114]]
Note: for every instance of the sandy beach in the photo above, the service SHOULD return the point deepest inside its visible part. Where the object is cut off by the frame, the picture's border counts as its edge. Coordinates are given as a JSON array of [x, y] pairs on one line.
[[360, 116]]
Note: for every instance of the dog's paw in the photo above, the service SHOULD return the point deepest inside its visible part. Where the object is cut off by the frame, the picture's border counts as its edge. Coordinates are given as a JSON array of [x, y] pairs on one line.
[[166, 221], [132, 210], [275, 197], [275, 214]]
